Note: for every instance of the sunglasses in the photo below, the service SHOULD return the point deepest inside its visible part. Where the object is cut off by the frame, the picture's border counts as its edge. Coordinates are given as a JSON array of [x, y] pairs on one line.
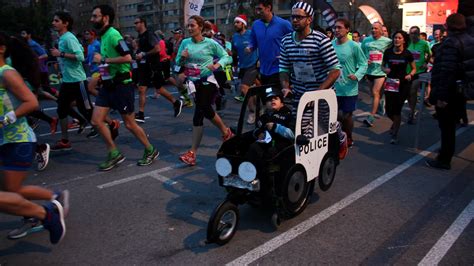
[[298, 17], [136, 22]]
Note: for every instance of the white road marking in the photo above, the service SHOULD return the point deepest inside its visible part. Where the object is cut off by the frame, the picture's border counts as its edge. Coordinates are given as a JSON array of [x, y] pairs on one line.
[[301, 228], [154, 174], [439, 250]]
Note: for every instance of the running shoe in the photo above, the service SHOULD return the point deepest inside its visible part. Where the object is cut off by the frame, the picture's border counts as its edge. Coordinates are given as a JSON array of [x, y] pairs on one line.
[[188, 103], [228, 135], [381, 110], [54, 221], [239, 98], [62, 145], [73, 125], [343, 147], [111, 161], [369, 121], [30, 225], [394, 140], [437, 165], [82, 126], [188, 158], [114, 128], [412, 119], [53, 125], [93, 133], [178, 107], [140, 117], [148, 157], [43, 156], [63, 198]]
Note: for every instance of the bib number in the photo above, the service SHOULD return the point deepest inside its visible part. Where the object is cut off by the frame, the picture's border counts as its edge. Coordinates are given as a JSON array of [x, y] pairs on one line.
[[304, 72], [376, 57], [392, 85]]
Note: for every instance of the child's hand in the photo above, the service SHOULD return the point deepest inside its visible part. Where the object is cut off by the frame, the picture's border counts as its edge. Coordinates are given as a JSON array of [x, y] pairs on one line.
[[269, 126]]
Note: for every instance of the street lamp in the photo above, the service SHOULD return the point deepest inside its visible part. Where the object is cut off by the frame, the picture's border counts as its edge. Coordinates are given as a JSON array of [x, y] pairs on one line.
[[352, 10]]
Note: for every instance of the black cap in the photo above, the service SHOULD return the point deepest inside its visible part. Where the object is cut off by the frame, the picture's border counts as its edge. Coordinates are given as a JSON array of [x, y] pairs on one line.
[[272, 92], [178, 31]]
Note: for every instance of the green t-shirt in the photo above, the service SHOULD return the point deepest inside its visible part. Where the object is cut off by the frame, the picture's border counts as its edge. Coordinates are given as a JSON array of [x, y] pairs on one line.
[[108, 49], [71, 70], [373, 50], [201, 55], [19, 131], [353, 61], [420, 51]]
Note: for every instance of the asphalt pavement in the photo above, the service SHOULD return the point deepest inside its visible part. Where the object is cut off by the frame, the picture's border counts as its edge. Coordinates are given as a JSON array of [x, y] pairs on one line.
[[385, 206]]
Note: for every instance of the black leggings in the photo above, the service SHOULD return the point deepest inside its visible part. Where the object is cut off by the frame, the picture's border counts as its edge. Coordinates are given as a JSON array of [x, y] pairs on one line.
[[71, 92], [394, 100], [204, 98]]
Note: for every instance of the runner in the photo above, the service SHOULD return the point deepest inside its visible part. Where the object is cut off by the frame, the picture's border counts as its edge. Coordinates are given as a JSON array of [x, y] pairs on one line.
[[178, 75], [149, 69], [196, 55], [421, 52], [267, 33], [397, 85], [373, 47], [50, 215], [247, 62], [70, 55], [117, 89], [17, 139], [308, 61], [356, 37], [354, 66], [93, 78]]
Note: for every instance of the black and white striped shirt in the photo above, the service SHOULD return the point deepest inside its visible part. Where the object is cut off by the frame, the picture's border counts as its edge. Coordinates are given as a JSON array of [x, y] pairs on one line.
[[308, 61]]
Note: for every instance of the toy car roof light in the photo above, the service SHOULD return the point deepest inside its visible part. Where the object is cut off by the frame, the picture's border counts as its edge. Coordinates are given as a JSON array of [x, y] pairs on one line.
[[247, 171], [223, 167]]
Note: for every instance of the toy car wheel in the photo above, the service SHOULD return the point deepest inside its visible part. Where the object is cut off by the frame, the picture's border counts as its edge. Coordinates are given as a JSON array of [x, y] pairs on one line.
[[223, 223], [327, 172], [276, 221], [296, 191]]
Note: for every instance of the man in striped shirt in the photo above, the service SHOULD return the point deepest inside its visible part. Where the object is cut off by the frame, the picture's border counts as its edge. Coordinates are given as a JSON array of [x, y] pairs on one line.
[[308, 61], [307, 58]]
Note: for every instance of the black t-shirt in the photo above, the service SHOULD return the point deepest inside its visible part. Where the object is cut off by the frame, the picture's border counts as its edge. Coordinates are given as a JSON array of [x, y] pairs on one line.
[[397, 63], [146, 42]]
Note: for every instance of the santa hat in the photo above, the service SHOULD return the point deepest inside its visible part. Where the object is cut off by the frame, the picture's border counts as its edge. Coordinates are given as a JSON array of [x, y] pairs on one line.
[[241, 18]]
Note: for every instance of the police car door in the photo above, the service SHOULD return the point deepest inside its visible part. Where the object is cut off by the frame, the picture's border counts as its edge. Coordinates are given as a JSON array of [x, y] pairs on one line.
[[315, 119]]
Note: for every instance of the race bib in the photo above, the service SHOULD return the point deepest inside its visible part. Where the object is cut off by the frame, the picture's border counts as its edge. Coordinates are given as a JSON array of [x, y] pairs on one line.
[[416, 55], [304, 72], [104, 72], [134, 64], [376, 57], [392, 85], [192, 70]]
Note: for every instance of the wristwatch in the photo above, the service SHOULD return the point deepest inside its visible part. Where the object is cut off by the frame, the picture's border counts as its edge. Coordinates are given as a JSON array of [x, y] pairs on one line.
[[62, 54]]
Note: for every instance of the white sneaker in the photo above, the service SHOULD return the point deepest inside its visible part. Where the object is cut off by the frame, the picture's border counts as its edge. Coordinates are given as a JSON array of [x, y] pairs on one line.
[[43, 157], [251, 119]]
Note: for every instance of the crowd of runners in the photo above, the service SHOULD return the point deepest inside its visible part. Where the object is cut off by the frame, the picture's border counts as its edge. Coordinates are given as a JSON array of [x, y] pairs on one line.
[[290, 56]]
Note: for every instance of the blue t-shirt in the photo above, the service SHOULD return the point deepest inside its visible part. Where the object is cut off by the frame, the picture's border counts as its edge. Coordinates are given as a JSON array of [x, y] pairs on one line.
[[92, 48], [239, 43], [267, 38], [39, 51]]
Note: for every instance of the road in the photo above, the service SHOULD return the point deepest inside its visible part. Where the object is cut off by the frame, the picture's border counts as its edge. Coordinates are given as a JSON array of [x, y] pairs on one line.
[[385, 206]]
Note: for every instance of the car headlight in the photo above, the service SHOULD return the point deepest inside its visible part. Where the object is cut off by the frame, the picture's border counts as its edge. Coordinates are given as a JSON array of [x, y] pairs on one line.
[[247, 171], [223, 167]]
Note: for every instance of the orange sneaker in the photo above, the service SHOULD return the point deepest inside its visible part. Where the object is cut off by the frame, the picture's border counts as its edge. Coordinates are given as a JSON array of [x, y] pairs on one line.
[[188, 158], [228, 135], [343, 148]]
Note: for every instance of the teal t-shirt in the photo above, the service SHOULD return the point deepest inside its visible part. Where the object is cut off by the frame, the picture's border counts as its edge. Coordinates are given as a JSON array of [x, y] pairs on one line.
[[19, 131], [373, 50], [71, 70], [420, 51], [201, 55], [353, 61]]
